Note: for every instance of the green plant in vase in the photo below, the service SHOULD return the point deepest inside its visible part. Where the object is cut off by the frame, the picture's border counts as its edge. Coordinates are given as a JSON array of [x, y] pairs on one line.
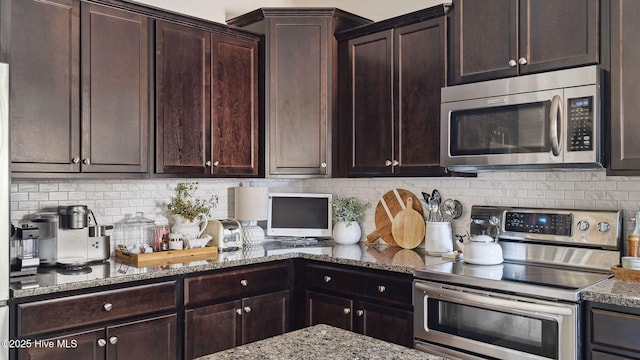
[[186, 209], [347, 212]]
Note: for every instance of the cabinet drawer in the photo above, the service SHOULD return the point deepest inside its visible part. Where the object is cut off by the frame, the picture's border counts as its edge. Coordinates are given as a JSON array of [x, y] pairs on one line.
[[615, 329], [363, 284], [81, 310], [235, 284]]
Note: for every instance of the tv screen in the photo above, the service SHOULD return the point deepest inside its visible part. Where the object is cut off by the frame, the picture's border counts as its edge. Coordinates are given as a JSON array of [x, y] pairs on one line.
[[299, 215]]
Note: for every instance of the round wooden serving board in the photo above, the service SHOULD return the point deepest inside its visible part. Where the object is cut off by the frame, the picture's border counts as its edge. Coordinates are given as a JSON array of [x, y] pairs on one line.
[[382, 220]]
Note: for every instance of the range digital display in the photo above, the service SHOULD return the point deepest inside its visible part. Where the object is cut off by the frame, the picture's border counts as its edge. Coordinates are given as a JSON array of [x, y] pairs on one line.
[[539, 223]]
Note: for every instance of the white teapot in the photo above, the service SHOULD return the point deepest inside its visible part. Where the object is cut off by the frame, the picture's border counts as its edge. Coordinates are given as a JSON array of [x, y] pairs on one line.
[[481, 250], [190, 229]]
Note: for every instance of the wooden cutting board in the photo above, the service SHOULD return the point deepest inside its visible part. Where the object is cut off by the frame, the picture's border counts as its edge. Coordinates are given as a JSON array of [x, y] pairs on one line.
[[408, 227], [382, 220]]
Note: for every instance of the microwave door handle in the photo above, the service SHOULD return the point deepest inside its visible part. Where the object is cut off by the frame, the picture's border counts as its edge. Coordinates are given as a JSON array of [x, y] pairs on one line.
[[555, 121]]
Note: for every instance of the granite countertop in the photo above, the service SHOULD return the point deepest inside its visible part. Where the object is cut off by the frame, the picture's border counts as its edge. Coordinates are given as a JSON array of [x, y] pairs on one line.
[[616, 292], [381, 257], [320, 342]]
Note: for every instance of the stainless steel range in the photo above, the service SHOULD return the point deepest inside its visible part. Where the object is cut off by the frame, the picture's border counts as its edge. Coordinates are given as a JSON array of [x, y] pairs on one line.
[[527, 307]]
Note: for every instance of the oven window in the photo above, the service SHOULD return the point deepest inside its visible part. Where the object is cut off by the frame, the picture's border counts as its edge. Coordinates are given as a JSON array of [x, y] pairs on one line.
[[512, 129], [503, 329]]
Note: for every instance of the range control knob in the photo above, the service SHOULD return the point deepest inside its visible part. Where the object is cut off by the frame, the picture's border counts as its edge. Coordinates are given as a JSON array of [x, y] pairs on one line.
[[582, 225], [604, 227]]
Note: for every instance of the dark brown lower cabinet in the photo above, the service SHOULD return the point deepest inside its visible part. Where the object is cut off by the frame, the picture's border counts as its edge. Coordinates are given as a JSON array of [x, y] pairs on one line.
[[611, 332], [381, 322], [153, 339], [219, 327]]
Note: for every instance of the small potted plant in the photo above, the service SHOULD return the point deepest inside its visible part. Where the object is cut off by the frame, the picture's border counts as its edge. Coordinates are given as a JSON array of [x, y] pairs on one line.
[[186, 210], [347, 212]]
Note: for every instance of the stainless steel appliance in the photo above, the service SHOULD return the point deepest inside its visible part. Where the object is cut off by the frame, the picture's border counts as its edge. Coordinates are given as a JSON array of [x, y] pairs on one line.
[[539, 121], [226, 234], [4, 207], [529, 306]]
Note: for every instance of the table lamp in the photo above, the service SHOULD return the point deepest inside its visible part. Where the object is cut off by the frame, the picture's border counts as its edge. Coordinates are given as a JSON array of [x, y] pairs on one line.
[[251, 207]]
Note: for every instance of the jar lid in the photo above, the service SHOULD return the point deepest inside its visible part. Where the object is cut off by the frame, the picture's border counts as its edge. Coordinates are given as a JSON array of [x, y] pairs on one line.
[[139, 219]]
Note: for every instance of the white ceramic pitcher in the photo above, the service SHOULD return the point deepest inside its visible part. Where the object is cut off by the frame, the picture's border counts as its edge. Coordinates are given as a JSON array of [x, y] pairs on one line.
[[190, 229]]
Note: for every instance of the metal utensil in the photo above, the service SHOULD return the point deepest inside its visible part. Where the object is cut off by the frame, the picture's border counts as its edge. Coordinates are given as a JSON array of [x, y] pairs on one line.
[[434, 209], [449, 209]]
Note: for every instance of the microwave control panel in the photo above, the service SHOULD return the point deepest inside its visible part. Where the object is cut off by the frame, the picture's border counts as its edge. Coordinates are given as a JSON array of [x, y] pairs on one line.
[[580, 124]]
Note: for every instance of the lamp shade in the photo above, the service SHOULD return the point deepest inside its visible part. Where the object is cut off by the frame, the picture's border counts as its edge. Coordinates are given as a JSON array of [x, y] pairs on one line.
[[251, 203]]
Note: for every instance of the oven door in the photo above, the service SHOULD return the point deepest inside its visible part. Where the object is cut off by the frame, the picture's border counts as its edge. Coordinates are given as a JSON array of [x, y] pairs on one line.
[[493, 324]]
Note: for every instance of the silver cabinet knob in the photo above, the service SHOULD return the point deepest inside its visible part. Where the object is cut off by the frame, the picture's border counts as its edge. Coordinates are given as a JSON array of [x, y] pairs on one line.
[[107, 306], [327, 278], [395, 163], [247, 309], [75, 160], [86, 161], [244, 282], [113, 340], [323, 165], [239, 311], [522, 61], [346, 311], [102, 342], [387, 163], [216, 163], [208, 163], [512, 63], [359, 313], [381, 289]]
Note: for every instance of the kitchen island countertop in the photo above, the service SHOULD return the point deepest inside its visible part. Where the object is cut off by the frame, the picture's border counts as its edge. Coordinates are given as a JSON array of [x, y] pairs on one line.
[[615, 292], [320, 342]]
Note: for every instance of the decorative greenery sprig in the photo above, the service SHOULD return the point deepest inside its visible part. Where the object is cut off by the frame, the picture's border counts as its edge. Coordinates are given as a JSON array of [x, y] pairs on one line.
[[347, 208], [184, 204]]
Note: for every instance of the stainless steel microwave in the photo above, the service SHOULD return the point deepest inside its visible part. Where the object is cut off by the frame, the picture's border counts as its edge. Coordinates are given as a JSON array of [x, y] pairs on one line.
[[549, 120]]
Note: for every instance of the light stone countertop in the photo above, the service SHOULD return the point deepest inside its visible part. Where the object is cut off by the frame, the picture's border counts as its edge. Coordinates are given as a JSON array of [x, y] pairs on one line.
[[320, 342], [616, 292], [380, 257]]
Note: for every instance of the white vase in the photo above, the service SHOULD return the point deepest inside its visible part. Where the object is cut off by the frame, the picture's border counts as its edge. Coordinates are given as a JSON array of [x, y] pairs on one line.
[[190, 229], [347, 232]]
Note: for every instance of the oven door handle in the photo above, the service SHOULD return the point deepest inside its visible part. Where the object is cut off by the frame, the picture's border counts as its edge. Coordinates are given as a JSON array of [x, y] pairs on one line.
[[496, 302]]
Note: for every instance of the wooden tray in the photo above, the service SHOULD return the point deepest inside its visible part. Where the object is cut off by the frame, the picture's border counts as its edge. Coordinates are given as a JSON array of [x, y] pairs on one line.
[[621, 273], [169, 257]]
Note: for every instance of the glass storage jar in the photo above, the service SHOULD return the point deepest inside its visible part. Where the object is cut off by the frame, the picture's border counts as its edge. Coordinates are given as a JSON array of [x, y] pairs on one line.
[[138, 232]]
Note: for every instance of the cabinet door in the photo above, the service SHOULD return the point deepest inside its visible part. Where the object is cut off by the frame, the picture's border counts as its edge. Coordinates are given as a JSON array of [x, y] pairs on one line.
[[371, 104], [484, 38], [80, 345], [385, 323], [330, 310], [146, 339], [419, 61], [265, 316], [183, 119], [234, 71], [557, 34], [212, 328], [115, 90], [625, 86], [298, 123], [40, 41]]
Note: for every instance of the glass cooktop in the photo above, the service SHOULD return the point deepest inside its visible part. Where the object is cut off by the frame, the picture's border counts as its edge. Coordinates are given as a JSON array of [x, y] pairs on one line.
[[518, 278]]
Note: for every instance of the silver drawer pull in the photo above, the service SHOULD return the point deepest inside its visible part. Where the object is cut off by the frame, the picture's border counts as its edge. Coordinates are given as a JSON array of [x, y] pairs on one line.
[[107, 306], [113, 340], [244, 282], [381, 288], [346, 311], [360, 312], [102, 342], [239, 311], [247, 309], [327, 278]]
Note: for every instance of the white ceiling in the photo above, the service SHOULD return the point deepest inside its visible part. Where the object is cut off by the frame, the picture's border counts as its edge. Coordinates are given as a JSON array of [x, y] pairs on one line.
[[221, 10]]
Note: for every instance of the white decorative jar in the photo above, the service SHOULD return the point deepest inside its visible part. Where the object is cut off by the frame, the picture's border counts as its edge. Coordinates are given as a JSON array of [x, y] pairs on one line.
[[347, 232], [189, 229]]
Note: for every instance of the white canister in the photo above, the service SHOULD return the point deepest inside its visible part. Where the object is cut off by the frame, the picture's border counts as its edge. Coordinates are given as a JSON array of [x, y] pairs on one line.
[[438, 238]]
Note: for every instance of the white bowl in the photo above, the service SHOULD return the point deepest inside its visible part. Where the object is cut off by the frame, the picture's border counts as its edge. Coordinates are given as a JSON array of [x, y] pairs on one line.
[[631, 262]]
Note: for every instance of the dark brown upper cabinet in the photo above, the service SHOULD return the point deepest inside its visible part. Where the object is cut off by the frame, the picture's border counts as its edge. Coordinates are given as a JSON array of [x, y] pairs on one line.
[[300, 85], [56, 59], [624, 87], [206, 102], [390, 96], [501, 38]]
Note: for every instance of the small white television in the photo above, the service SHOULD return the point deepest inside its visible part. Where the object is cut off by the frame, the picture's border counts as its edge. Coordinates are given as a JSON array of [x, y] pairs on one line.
[[301, 215]]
